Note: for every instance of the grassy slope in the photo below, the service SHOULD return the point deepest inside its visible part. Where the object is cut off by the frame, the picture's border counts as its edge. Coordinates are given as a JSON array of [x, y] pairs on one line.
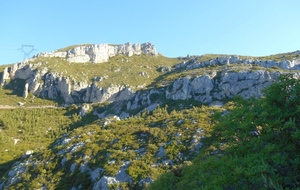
[[118, 142], [120, 69]]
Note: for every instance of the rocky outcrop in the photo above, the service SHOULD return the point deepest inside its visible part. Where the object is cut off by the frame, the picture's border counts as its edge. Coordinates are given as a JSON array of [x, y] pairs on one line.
[[204, 88], [5, 76], [84, 110], [25, 93], [210, 88], [53, 85], [120, 177], [94, 93], [218, 86], [227, 60], [100, 53], [52, 54]]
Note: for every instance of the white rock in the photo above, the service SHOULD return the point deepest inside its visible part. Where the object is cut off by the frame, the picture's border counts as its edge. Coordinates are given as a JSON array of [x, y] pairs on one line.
[[25, 93], [28, 152], [84, 110], [5, 76]]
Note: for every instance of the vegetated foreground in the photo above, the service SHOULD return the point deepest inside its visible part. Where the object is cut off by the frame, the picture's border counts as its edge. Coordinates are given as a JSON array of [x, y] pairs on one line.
[[170, 124]]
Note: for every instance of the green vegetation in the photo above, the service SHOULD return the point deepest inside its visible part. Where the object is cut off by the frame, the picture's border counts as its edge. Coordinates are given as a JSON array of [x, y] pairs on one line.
[[255, 146], [136, 139], [246, 144], [279, 57], [136, 71], [24, 129], [11, 94]]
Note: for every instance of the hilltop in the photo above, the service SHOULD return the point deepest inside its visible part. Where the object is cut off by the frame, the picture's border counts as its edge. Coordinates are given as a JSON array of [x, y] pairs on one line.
[[120, 116]]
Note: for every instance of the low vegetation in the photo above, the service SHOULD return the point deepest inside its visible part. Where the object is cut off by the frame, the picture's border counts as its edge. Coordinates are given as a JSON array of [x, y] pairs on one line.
[[246, 144], [137, 71], [254, 146]]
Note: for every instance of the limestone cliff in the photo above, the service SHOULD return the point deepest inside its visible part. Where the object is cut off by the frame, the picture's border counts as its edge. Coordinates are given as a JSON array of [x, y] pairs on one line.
[[100, 53], [236, 76]]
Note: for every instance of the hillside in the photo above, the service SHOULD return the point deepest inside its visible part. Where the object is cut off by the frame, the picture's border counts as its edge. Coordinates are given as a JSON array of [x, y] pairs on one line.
[[99, 116]]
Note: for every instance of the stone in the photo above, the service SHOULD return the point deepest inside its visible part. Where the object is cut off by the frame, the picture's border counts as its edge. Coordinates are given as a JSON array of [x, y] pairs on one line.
[[84, 110], [95, 174], [120, 177], [216, 104], [28, 152], [52, 54], [100, 53], [5, 76], [161, 152], [25, 93], [21, 103], [104, 182], [73, 167]]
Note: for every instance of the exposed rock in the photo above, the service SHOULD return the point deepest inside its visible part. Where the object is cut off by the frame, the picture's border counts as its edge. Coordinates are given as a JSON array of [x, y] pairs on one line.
[[217, 104], [161, 152], [28, 152], [113, 93], [227, 60], [152, 107], [95, 174], [84, 110], [15, 140], [25, 93], [5, 76], [100, 53], [73, 167], [164, 69], [120, 177], [227, 84], [15, 174], [104, 182], [52, 54]]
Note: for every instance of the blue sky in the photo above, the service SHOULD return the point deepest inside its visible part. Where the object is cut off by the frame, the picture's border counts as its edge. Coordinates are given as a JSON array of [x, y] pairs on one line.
[[176, 28]]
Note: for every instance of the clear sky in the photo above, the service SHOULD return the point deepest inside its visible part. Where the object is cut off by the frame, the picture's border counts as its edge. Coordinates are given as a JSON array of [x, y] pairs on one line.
[[176, 28]]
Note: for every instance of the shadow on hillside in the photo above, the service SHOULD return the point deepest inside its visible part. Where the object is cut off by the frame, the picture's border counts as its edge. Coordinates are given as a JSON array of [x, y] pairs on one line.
[[16, 86], [6, 166], [71, 179]]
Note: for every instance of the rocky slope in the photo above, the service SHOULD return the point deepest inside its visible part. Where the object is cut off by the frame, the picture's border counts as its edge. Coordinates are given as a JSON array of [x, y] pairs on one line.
[[238, 76], [195, 80]]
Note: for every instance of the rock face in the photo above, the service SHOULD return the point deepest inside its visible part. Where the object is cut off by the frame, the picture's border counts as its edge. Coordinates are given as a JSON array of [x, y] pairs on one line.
[[84, 110], [227, 60], [100, 53], [120, 177], [218, 86], [204, 88], [25, 93], [53, 85], [5, 76]]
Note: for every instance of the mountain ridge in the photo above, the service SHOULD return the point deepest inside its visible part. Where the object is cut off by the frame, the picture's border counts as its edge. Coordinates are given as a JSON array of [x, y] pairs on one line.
[[126, 121]]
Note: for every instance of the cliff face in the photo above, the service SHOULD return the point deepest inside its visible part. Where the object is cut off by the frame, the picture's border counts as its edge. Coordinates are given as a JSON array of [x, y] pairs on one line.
[[218, 86], [209, 82], [238, 76], [100, 53]]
